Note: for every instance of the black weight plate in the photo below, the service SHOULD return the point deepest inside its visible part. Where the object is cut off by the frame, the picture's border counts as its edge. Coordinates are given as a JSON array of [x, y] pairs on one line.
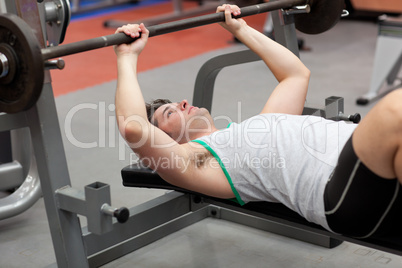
[[323, 16], [21, 91]]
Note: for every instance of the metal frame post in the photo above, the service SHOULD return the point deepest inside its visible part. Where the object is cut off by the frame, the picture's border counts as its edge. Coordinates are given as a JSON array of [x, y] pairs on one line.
[[49, 153], [46, 136], [93, 203], [285, 30]]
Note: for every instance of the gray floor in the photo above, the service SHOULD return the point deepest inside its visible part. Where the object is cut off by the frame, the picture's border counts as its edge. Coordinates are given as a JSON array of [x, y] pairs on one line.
[[341, 62]]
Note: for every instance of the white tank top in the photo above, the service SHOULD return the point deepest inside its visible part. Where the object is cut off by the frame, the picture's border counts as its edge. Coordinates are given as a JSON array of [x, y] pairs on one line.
[[281, 158]]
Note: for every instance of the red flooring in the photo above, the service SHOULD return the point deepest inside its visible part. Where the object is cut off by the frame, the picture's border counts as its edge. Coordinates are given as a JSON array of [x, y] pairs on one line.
[[99, 66]]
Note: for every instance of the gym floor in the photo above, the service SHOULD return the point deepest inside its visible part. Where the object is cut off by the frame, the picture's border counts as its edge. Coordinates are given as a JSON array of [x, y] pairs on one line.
[[341, 62]]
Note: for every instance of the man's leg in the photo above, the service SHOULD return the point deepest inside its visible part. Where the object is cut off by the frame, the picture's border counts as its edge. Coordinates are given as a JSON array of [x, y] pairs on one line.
[[377, 140], [359, 200]]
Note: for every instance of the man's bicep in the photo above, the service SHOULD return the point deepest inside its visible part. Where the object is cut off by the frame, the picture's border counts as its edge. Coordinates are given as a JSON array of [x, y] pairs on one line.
[[288, 97], [159, 151]]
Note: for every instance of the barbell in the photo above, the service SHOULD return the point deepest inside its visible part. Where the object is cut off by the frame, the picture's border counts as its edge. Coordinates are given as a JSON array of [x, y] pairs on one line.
[[22, 60]]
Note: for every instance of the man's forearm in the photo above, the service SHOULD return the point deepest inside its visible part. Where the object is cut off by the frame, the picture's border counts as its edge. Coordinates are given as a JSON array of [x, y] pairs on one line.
[[129, 99], [290, 94], [131, 113], [282, 62]]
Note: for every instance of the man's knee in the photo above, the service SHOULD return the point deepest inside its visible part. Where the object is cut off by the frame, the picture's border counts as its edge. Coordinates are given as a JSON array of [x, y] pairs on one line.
[[392, 107], [395, 94]]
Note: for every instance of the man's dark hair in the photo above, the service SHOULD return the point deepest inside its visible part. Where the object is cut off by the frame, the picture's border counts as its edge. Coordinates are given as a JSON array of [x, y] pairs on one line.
[[153, 106]]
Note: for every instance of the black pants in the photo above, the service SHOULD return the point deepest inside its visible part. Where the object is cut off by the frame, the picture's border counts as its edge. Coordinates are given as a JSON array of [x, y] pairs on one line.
[[359, 203]]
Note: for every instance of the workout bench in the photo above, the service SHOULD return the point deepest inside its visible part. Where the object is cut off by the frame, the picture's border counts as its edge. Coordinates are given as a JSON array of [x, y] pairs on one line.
[[271, 217]]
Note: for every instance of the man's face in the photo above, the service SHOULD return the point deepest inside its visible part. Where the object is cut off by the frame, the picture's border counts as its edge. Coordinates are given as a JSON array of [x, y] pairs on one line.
[[181, 121]]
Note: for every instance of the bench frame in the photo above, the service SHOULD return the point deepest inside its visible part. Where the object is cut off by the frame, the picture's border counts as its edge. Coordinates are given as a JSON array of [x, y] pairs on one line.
[[174, 211]]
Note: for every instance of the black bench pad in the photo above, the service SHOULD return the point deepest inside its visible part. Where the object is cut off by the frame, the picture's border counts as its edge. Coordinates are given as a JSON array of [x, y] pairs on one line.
[[136, 176], [140, 177]]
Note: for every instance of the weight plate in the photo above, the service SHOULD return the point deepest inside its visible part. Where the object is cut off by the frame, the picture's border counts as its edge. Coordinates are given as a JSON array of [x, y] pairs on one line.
[[20, 88], [323, 16]]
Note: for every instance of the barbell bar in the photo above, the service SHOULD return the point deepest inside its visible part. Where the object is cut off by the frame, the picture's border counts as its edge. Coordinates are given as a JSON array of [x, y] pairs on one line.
[[22, 60], [164, 28]]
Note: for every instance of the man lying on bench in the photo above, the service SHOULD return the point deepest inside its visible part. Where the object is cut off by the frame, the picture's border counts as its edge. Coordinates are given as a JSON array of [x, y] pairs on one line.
[[352, 189]]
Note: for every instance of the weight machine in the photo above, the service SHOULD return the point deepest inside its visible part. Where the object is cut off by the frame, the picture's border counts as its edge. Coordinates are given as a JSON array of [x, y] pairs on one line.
[[33, 109], [387, 60]]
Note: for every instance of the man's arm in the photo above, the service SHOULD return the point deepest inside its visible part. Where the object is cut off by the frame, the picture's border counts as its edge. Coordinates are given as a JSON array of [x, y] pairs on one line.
[[129, 100], [172, 161], [146, 140], [293, 77]]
